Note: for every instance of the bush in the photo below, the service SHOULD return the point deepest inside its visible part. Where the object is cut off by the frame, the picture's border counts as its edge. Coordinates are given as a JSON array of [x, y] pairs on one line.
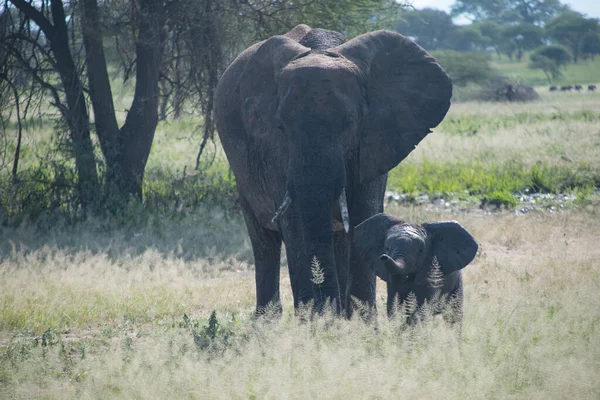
[[557, 53], [465, 67], [501, 89]]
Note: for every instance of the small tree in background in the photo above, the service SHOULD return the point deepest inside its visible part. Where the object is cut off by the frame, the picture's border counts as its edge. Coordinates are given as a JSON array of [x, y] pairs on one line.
[[429, 27], [590, 45], [548, 66], [550, 59], [465, 67], [557, 53]]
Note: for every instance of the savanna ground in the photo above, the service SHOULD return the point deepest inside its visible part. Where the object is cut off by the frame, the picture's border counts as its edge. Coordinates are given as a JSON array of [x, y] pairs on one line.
[[121, 308]]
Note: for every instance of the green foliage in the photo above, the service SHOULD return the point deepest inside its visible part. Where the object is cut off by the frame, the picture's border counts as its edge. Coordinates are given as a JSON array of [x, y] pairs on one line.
[[167, 190], [469, 125], [429, 27], [493, 181], [547, 65], [550, 59], [466, 38], [465, 67], [350, 17], [213, 336], [590, 45], [534, 12], [522, 37], [557, 53], [499, 198], [570, 28], [41, 189], [583, 72]]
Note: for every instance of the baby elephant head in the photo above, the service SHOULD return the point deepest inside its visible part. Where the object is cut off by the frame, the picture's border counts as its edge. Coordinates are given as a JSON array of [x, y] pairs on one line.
[[403, 254]]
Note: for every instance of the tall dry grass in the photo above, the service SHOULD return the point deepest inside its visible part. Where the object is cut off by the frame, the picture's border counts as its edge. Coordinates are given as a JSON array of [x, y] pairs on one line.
[[114, 327], [121, 310]]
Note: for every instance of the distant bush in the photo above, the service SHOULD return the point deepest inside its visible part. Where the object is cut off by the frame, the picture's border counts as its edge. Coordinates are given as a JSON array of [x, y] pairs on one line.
[[465, 67], [557, 53], [502, 89]]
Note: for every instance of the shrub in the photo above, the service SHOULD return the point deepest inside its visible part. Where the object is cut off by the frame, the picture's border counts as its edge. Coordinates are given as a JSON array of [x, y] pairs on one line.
[[557, 53], [465, 67], [501, 89]]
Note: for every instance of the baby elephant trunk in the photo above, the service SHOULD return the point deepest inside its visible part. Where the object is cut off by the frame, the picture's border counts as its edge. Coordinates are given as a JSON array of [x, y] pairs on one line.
[[396, 266]]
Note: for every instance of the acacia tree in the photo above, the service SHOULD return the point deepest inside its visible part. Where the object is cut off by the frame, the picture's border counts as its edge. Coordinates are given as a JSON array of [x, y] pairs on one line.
[[522, 37], [175, 49], [571, 29], [39, 39], [429, 27], [55, 30], [536, 12], [550, 59]]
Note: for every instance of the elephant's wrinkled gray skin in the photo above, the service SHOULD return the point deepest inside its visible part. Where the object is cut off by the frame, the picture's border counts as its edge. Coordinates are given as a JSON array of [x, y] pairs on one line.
[[301, 127], [403, 256]]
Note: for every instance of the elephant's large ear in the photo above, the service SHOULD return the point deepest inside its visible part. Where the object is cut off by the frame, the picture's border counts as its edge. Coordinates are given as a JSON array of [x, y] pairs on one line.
[[258, 82], [369, 239], [408, 93], [452, 244]]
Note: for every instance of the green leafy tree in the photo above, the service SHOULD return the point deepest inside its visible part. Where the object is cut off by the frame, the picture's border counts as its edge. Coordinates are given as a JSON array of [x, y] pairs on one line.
[[351, 17], [465, 67], [590, 45], [491, 33], [571, 29], [522, 37], [536, 12], [547, 65], [550, 59], [429, 27], [557, 53], [466, 38]]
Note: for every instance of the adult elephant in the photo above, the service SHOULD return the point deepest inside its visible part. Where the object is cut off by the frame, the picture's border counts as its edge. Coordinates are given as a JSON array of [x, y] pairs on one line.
[[311, 124]]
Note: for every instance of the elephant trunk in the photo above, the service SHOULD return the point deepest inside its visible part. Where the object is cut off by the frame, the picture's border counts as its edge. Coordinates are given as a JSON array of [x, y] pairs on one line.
[[316, 181], [315, 212]]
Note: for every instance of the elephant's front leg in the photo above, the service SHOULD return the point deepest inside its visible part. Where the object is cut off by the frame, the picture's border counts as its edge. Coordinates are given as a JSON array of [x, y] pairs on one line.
[[266, 246], [367, 202]]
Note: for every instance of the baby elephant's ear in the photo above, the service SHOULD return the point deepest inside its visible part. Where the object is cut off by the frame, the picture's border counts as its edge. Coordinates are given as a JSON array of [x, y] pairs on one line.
[[452, 244], [369, 239]]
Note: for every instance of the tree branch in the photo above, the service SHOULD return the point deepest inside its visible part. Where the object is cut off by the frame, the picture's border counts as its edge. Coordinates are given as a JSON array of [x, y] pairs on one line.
[[31, 12]]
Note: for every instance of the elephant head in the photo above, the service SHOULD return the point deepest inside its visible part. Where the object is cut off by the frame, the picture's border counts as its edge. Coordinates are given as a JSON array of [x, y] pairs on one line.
[[330, 119], [403, 254]]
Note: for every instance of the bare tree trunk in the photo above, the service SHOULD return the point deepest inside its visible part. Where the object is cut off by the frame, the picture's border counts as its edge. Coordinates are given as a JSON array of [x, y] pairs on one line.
[[101, 97], [164, 101], [212, 59], [138, 131], [126, 150], [15, 168], [78, 118]]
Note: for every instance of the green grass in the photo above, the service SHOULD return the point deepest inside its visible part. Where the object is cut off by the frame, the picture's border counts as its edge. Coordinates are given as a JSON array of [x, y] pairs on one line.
[[584, 72], [482, 148], [481, 178], [473, 124]]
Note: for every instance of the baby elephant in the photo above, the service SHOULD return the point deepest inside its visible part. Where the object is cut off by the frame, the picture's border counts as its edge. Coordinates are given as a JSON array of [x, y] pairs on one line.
[[404, 254]]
